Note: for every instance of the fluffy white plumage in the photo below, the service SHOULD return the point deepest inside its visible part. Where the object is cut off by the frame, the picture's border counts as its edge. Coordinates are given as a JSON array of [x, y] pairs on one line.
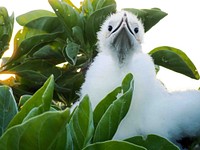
[[153, 109]]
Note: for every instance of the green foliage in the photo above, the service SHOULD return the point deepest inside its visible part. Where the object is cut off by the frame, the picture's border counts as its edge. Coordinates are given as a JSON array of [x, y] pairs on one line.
[[37, 104], [174, 59], [113, 145], [149, 17], [146, 142], [81, 124], [66, 36], [6, 28], [63, 43], [111, 118], [8, 107], [58, 129], [37, 133]]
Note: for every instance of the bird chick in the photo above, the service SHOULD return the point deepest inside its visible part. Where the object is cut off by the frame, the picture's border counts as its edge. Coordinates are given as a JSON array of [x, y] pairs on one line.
[[153, 109]]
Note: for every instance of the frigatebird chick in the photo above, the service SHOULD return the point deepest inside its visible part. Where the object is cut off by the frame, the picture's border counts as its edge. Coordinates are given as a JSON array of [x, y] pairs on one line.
[[153, 109]]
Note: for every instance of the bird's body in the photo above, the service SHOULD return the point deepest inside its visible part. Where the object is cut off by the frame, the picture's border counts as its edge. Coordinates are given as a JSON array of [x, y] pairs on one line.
[[153, 109]]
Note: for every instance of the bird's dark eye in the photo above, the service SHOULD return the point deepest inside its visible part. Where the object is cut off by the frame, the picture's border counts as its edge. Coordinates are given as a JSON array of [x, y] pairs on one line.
[[136, 30], [110, 28]]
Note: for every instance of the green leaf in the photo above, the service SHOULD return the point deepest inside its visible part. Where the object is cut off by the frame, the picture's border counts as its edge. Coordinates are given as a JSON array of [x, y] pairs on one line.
[[40, 132], [113, 145], [104, 104], [153, 142], [67, 15], [33, 15], [42, 99], [51, 52], [98, 4], [95, 20], [72, 5], [6, 29], [78, 35], [81, 124], [108, 124], [8, 107], [25, 44], [149, 17], [71, 52], [87, 6], [64, 141], [23, 99], [174, 59], [37, 70], [47, 24]]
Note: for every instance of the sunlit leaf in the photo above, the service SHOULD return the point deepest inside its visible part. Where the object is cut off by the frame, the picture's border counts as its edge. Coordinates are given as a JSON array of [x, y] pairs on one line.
[[87, 6], [46, 24], [8, 107], [33, 15], [174, 59], [67, 15], [25, 46], [38, 68]]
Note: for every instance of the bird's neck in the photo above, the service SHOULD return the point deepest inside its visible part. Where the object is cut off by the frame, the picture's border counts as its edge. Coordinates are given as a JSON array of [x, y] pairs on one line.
[[125, 57]]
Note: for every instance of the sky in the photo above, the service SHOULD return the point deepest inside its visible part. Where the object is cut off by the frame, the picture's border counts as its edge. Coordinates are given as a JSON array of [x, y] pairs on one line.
[[180, 29]]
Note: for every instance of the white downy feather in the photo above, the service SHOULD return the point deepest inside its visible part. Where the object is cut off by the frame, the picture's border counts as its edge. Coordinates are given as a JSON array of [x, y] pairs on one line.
[[153, 109]]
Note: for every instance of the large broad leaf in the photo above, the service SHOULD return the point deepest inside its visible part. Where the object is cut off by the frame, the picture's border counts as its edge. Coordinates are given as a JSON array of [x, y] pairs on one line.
[[51, 52], [47, 24], [67, 15], [108, 124], [64, 141], [87, 7], [25, 44], [36, 68], [149, 17], [71, 52], [40, 132], [153, 142], [8, 107], [95, 20], [33, 15], [114, 145], [41, 99], [174, 59], [6, 29], [78, 35], [98, 4], [104, 104], [81, 124]]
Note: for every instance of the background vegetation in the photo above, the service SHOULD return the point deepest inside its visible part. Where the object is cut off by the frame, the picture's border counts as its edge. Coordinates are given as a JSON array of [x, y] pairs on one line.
[[51, 55]]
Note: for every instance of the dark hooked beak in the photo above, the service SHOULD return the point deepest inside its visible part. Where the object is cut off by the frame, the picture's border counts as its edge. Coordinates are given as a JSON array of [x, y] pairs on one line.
[[123, 22], [123, 39]]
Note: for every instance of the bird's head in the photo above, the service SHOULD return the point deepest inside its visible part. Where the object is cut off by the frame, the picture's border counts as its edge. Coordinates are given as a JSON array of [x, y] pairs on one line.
[[121, 34]]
